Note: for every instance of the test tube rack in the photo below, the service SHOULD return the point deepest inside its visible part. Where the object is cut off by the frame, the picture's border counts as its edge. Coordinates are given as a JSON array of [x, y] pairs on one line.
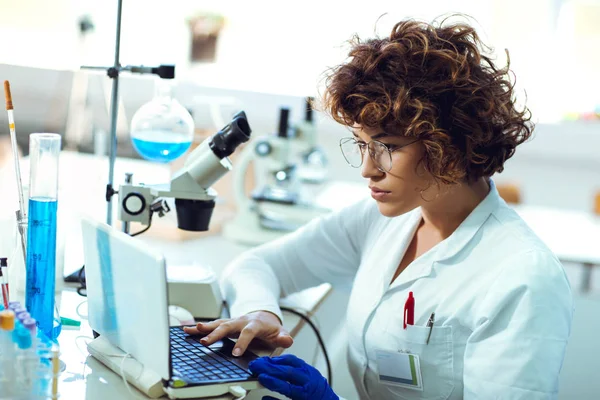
[[29, 361]]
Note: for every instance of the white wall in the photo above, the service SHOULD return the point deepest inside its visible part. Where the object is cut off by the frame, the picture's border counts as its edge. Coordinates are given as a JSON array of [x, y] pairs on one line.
[[283, 47], [559, 166]]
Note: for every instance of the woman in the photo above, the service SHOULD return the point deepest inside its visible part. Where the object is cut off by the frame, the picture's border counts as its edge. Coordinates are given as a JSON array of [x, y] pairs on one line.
[[432, 119]]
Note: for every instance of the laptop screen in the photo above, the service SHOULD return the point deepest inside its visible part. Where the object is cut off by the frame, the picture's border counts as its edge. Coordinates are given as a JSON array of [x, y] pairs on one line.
[[127, 294]]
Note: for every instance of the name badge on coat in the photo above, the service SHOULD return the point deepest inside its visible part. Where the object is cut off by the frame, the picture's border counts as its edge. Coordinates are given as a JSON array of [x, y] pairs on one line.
[[399, 369]]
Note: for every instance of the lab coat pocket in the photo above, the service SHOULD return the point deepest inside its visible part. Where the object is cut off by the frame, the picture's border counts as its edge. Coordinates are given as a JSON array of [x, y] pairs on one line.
[[436, 359]]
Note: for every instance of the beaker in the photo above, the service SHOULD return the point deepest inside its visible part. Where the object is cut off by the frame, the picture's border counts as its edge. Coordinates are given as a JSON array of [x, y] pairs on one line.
[[162, 129], [44, 149]]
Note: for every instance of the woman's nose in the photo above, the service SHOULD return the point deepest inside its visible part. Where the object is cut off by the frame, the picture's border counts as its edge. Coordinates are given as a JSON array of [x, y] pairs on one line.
[[369, 169]]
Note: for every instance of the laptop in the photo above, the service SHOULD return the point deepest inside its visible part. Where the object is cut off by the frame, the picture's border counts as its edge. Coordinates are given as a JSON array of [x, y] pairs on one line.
[[128, 306]]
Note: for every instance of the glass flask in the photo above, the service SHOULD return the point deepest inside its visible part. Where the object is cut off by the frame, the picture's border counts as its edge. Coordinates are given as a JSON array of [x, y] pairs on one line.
[[162, 129]]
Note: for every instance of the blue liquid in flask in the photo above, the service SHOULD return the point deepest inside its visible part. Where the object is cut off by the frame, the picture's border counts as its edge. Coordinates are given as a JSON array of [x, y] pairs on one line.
[[41, 264], [161, 146]]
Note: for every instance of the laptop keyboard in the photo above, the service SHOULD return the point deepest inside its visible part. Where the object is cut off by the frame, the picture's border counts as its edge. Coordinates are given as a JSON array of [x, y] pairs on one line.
[[197, 363]]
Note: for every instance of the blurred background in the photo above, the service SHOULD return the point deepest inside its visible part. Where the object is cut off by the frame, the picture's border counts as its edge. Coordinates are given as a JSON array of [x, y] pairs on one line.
[[272, 53], [262, 55]]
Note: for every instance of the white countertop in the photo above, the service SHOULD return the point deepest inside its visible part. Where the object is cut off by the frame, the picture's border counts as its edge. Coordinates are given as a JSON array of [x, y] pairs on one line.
[[87, 378], [574, 236]]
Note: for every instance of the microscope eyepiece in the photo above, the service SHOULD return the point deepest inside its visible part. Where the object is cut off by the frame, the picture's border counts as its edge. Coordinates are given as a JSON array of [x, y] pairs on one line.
[[224, 142]]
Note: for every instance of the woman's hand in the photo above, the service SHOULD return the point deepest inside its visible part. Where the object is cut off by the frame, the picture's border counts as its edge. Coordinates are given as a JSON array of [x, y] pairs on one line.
[[261, 325], [292, 377]]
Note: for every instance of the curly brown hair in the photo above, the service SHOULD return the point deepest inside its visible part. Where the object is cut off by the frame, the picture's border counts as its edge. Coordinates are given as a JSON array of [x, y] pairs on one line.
[[435, 83]]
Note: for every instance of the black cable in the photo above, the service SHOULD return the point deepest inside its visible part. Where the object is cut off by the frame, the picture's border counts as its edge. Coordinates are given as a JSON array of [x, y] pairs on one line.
[[140, 232], [82, 285], [319, 339], [146, 228]]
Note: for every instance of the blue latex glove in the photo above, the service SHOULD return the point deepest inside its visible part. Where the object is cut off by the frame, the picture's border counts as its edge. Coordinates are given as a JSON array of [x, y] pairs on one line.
[[292, 377]]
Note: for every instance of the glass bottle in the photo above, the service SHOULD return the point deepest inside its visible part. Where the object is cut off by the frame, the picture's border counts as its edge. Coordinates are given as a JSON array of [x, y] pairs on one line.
[[162, 129]]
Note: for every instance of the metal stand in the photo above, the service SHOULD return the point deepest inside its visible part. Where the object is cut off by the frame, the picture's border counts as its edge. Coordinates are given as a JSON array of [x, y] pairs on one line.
[[163, 71], [125, 224]]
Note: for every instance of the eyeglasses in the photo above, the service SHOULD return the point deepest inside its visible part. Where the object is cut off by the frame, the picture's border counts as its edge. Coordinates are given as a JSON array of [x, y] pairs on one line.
[[381, 153]]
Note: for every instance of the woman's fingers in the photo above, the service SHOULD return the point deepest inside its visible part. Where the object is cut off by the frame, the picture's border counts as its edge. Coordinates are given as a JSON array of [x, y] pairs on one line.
[[220, 332], [203, 327], [191, 330], [246, 329], [279, 386], [284, 373], [284, 340], [211, 325], [293, 375], [246, 336], [288, 359], [272, 336]]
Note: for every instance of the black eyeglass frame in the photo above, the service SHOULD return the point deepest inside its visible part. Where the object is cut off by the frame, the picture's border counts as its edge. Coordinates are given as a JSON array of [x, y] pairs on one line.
[[390, 148]]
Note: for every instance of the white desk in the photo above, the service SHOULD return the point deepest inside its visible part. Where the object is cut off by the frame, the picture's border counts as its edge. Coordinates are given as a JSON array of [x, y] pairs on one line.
[[82, 184], [574, 236], [87, 378]]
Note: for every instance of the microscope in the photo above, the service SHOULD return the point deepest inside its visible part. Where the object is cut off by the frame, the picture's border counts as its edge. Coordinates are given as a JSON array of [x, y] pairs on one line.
[[191, 185], [312, 166], [280, 203], [195, 290]]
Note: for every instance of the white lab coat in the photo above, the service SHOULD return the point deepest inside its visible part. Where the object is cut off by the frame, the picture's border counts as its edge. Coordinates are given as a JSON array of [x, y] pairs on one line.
[[502, 303]]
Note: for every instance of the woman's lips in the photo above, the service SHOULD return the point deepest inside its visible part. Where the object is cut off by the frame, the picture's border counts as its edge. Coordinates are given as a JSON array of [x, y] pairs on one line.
[[379, 194]]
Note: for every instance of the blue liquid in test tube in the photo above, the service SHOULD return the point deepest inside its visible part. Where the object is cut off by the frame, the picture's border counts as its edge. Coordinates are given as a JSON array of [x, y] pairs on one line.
[[44, 149], [41, 263]]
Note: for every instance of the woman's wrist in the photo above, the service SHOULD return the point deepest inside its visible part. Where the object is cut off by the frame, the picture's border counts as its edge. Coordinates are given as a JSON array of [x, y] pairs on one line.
[[268, 315]]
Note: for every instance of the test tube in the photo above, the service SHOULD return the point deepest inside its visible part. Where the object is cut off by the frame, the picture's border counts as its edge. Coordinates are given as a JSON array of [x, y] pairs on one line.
[[18, 311], [27, 362], [22, 316], [31, 325], [13, 304], [55, 372], [7, 352], [44, 149], [4, 280]]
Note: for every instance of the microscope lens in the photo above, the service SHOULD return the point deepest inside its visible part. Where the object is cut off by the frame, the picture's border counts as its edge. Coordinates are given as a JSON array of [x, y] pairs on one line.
[[224, 142]]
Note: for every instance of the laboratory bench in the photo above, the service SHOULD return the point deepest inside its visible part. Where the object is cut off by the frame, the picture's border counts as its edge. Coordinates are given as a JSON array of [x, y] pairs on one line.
[[84, 377], [82, 181]]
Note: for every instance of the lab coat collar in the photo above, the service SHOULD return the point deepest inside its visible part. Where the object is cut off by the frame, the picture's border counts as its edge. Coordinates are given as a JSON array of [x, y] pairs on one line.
[[459, 239], [456, 242]]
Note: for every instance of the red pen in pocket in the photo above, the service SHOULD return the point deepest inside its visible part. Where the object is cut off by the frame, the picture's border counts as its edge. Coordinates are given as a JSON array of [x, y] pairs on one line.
[[409, 310]]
